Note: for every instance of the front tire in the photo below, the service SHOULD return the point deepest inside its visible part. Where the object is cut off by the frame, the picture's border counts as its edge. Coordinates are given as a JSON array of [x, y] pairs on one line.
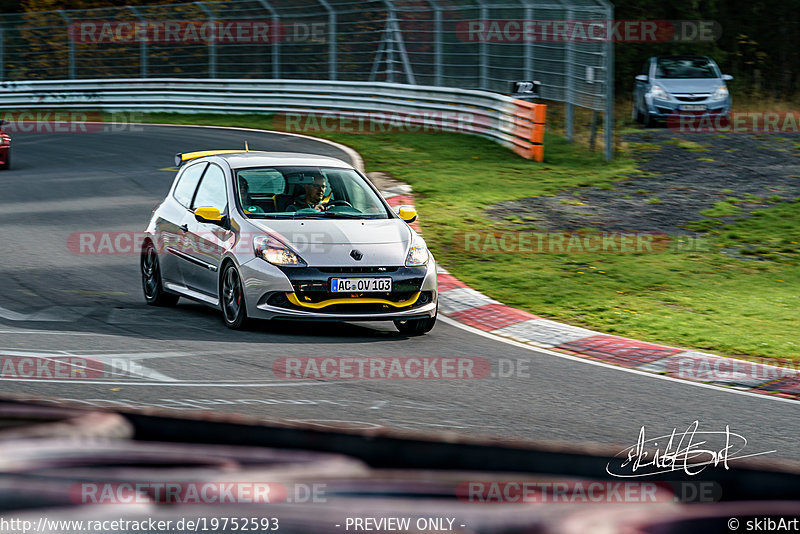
[[416, 327], [234, 310], [152, 285], [647, 120]]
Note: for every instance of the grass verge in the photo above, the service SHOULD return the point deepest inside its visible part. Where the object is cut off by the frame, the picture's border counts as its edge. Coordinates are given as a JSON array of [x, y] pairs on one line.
[[735, 295]]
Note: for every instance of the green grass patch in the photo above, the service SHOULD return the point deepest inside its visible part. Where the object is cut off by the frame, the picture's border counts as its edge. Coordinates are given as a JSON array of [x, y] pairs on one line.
[[772, 234], [685, 144], [724, 208], [691, 295]]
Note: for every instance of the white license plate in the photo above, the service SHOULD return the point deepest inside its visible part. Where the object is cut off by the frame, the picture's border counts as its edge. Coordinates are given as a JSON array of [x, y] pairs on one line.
[[693, 107], [361, 285]]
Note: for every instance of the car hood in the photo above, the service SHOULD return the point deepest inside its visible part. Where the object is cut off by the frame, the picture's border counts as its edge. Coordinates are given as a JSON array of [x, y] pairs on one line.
[[381, 242], [690, 85]]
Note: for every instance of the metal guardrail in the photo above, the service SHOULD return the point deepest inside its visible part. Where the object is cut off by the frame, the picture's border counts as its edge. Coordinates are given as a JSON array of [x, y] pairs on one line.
[[503, 119]]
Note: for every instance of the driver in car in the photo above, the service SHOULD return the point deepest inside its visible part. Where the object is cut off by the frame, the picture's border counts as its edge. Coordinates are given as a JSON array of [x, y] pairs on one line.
[[312, 198]]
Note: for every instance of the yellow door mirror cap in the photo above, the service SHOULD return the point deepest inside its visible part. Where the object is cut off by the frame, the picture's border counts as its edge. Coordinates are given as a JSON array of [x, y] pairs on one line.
[[208, 214], [407, 213]]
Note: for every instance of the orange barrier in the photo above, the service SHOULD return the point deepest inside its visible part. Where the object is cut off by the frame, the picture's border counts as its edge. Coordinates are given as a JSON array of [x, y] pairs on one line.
[[528, 131]]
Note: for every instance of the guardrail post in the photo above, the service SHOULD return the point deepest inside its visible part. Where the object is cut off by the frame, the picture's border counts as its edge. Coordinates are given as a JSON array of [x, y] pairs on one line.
[[276, 45], [212, 46], [331, 39], [608, 126], [570, 96], [71, 46], [142, 43]]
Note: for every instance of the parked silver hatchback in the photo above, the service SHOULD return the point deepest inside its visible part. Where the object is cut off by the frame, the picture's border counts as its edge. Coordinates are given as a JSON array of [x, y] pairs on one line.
[[264, 235]]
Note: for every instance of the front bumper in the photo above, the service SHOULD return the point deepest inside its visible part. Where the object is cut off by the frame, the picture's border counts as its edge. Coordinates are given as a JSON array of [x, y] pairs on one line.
[[662, 109], [304, 293]]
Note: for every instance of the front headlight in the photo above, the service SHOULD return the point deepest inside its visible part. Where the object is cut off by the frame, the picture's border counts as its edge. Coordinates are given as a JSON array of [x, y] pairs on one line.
[[418, 253], [657, 92], [270, 249], [720, 93]]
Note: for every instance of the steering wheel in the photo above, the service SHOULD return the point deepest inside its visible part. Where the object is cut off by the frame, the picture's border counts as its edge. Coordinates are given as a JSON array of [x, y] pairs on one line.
[[338, 203]]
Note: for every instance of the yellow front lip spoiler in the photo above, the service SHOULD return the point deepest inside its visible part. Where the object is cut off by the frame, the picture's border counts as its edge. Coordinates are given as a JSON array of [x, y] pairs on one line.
[[325, 303]]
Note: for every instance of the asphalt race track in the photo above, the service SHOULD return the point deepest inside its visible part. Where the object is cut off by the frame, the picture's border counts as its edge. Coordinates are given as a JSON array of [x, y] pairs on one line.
[[55, 302]]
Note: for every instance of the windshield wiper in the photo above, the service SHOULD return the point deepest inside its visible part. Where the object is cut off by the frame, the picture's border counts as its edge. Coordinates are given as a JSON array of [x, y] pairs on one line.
[[274, 215], [340, 215]]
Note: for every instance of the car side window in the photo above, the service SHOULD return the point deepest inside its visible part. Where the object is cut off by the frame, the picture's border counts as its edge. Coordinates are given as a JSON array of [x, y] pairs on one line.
[[187, 183], [211, 192]]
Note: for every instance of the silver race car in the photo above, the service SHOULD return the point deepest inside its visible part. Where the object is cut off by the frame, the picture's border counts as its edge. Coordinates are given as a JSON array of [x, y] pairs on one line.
[[286, 236]]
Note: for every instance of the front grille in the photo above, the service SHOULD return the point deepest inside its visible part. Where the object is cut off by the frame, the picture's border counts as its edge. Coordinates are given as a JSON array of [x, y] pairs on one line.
[[696, 97], [339, 270]]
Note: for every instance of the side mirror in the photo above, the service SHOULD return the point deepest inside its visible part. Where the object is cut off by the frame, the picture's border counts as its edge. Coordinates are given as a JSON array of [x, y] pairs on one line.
[[407, 213], [208, 215], [726, 77], [642, 78]]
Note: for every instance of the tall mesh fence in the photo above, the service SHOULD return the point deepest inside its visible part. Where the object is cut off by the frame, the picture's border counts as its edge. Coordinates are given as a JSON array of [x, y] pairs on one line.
[[468, 44]]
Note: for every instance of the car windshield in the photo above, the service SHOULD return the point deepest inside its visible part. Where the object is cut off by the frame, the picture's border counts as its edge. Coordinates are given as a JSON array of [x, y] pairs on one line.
[[685, 67], [306, 193]]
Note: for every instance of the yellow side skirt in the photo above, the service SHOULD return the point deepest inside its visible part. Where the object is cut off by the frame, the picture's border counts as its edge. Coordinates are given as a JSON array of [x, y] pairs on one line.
[[325, 303]]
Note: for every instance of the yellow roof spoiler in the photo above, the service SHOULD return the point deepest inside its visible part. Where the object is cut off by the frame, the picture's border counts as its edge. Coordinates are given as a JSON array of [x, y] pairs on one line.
[[183, 158]]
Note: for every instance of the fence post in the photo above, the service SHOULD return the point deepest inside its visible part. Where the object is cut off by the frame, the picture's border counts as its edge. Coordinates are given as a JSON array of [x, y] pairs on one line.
[[212, 46], [142, 43], [276, 44], [570, 96], [390, 42], [437, 42], [528, 45], [483, 50], [2, 54], [71, 46], [609, 120], [331, 39]]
